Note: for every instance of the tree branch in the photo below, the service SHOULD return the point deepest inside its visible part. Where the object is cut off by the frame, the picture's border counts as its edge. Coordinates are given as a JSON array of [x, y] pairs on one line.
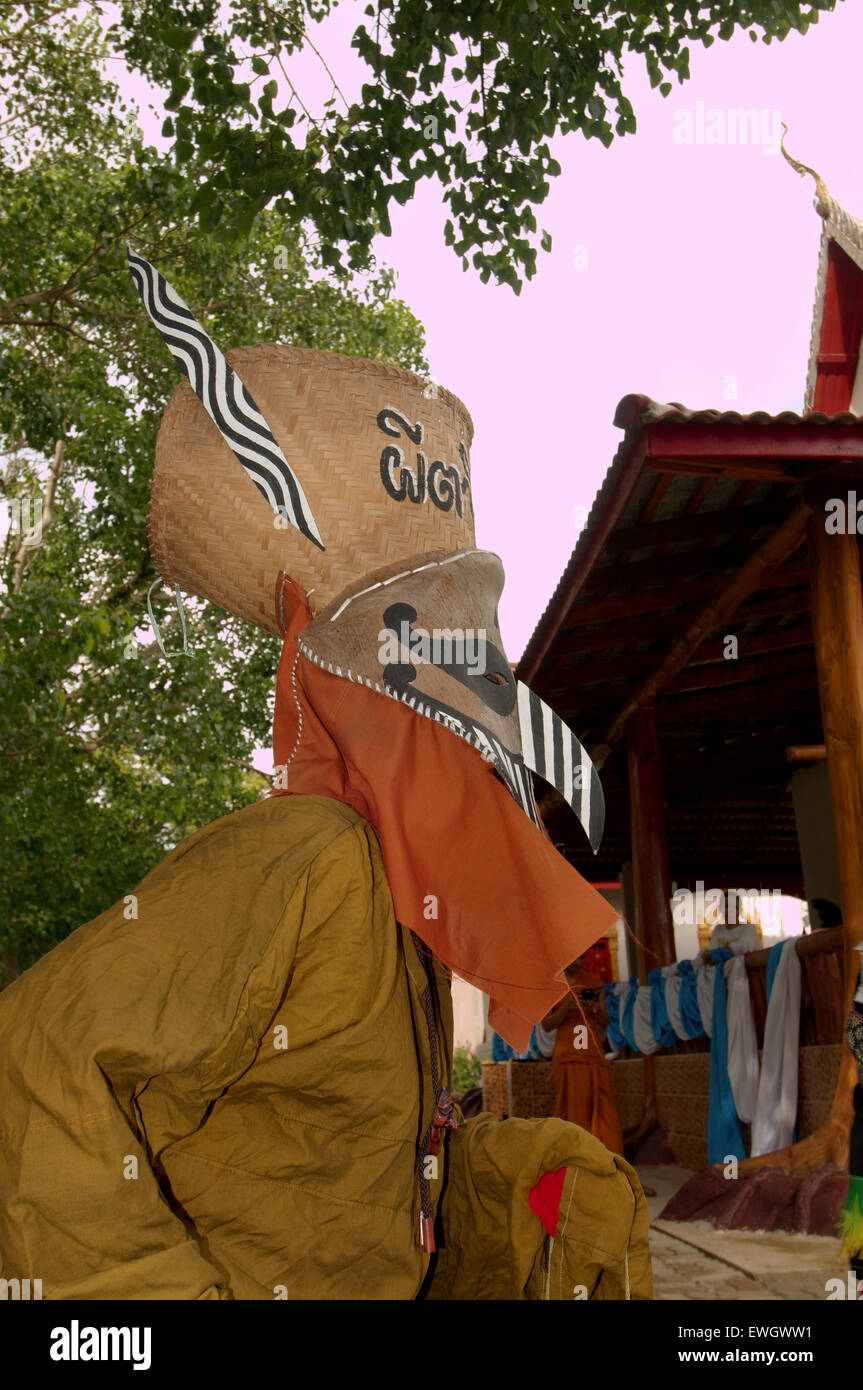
[[248, 767], [129, 588], [61, 292], [47, 323], [35, 536]]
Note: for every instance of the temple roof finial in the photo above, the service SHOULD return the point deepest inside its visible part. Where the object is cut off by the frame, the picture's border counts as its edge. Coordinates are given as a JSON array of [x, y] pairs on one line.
[[823, 201]]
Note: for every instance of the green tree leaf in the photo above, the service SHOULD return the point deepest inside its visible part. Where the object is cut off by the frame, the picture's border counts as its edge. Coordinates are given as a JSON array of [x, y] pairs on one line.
[[110, 753]]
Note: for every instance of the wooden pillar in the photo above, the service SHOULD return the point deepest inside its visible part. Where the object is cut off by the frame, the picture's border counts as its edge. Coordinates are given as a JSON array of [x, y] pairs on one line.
[[837, 626], [629, 964], [654, 925], [652, 888]]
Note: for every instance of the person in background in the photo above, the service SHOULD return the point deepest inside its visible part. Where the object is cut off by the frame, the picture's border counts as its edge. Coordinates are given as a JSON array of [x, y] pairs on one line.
[[732, 936], [582, 1084], [829, 915]]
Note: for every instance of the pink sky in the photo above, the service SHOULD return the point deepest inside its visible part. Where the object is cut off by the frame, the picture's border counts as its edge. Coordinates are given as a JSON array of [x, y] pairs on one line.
[[701, 263]]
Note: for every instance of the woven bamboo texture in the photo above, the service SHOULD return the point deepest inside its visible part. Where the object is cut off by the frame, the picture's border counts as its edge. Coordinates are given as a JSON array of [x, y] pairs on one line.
[[627, 1081], [522, 1089], [819, 1073], [213, 533], [683, 1098]]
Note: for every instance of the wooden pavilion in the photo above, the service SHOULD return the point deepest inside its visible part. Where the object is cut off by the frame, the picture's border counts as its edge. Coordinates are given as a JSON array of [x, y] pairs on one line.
[[710, 526]]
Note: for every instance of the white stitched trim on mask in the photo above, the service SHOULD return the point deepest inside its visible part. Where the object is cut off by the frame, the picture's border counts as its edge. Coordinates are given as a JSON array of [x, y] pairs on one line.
[[299, 709], [382, 583]]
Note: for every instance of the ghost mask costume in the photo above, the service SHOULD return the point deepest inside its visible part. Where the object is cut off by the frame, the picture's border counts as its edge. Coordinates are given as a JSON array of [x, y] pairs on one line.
[[394, 695], [271, 1037]]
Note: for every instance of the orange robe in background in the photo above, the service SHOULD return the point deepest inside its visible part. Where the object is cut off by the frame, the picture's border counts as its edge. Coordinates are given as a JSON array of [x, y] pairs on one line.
[[582, 1085]]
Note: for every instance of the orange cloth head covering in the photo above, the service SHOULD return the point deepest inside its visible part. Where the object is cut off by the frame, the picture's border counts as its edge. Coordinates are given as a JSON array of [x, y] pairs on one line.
[[469, 872]]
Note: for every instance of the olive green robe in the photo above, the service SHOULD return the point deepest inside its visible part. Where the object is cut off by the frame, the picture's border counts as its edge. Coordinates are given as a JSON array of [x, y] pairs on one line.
[[219, 1088]]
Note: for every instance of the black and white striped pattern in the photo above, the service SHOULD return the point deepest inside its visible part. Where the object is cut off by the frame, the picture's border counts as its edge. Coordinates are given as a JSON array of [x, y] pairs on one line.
[[511, 767], [554, 753], [224, 397]]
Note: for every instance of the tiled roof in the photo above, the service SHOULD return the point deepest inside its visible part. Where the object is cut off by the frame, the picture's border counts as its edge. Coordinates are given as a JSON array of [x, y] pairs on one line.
[[634, 413]]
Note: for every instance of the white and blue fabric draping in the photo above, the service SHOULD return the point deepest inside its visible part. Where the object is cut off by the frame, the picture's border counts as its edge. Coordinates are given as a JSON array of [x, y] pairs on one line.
[[700, 998], [642, 1020], [613, 995], [742, 1042], [776, 1106], [706, 994], [724, 1135]]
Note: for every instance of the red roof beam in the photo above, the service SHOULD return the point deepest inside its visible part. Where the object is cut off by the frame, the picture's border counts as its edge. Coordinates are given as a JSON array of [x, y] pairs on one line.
[[670, 442]]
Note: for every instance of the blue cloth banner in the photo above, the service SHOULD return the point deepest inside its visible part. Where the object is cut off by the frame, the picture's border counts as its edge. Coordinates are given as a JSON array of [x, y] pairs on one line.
[[773, 965], [724, 1135], [659, 1020], [628, 1010], [502, 1052], [690, 1013], [612, 1004]]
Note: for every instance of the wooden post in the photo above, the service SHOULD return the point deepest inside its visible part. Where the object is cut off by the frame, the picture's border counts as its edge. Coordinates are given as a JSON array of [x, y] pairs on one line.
[[653, 922], [806, 753], [837, 625]]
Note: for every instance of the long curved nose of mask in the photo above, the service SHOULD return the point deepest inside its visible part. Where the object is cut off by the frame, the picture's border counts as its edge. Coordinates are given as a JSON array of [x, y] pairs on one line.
[[552, 751]]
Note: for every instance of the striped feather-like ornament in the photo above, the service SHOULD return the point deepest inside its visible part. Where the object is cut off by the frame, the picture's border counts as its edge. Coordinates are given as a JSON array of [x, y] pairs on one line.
[[552, 751], [224, 397]]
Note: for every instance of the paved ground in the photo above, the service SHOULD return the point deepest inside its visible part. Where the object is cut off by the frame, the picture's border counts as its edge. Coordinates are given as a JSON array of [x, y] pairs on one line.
[[692, 1260]]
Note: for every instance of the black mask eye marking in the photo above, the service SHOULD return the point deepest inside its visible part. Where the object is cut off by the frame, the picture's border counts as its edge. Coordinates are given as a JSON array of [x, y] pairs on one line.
[[449, 649], [398, 618]]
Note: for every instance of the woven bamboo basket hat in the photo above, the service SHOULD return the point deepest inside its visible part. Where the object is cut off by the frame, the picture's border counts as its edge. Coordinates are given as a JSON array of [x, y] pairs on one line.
[[382, 458]]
